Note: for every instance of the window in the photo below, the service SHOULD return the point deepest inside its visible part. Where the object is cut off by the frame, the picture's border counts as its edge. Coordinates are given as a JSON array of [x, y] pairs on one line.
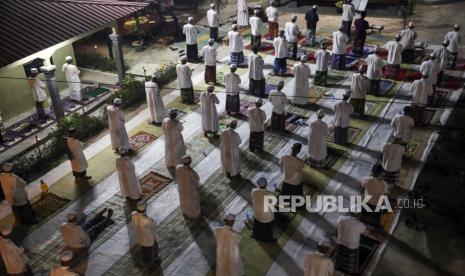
[[35, 63]]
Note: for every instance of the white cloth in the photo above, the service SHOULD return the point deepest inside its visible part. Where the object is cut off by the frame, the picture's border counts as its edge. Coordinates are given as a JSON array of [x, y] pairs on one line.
[[208, 104], [189, 190], [257, 118], [375, 64], [441, 58], [408, 37], [256, 67], [278, 100], [358, 86], [349, 231], [154, 102], [291, 31], [347, 12], [236, 45], [14, 189], [212, 18], [272, 14], [300, 91], [58, 270], [375, 188], [184, 74], [209, 55], [421, 90], [280, 47], [79, 161], [431, 69], [190, 31], [14, 259], [230, 152], [454, 39], [258, 203], [292, 168], [317, 264], [74, 82], [242, 13], [402, 126], [231, 83], [128, 181], [340, 41], [317, 149], [392, 157], [394, 52], [322, 57], [74, 236], [175, 148], [228, 262], [145, 229], [342, 111], [38, 89], [255, 25], [118, 133]]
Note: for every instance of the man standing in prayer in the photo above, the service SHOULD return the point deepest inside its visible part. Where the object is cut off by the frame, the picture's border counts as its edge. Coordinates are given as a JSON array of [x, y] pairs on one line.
[[407, 41], [342, 112], [318, 263], [154, 101], [189, 188], [256, 76], [40, 96], [340, 40], [75, 150], [322, 57], [231, 84], [361, 26], [359, 87], [14, 258], [312, 18], [392, 162], [145, 228], [421, 91], [346, 257], [347, 16], [213, 22], [175, 148], [118, 134], [394, 58], [184, 74], [430, 68], [300, 91], [190, 31], [292, 168], [63, 268], [375, 64], [72, 77], [374, 188], [242, 14], [256, 25], [273, 24], [228, 260], [263, 221], [317, 148], [14, 189], [402, 125], [230, 152], [292, 33], [441, 60], [128, 181], [455, 39], [257, 118], [278, 100], [236, 46], [280, 54], [208, 102], [209, 55]]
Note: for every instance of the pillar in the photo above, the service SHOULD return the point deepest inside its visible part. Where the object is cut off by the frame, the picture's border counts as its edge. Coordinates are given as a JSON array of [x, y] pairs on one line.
[[118, 56], [49, 73]]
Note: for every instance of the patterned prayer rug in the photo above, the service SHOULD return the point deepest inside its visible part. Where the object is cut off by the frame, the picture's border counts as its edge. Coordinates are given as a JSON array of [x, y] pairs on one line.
[[411, 149], [385, 86], [288, 73], [97, 92], [300, 52], [274, 80], [450, 82], [294, 121], [141, 139], [407, 75], [264, 47], [316, 93], [48, 205], [152, 183], [331, 158], [269, 88], [367, 49], [353, 133]]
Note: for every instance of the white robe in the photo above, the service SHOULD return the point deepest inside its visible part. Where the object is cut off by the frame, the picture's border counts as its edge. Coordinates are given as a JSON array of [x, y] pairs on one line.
[[402, 126], [236, 45], [257, 118], [190, 31], [14, 259], [38, 89], [347, 12], [374, 66], [242, 13], [408, 39], [342, 111], [359, 86], [209, 55], [58, 270], [184, 74], [212, 19], [316, 264], [300, 91], [78, 161], [256, 67], [394, 53], [128, 181], [255, 25], [421, 90], [208, 103], [189, 190], [272, 14], [291, 32], [228, 262], [278, 100], [431, 69], [317, 140], [74, 82], [144, 227], [118, 134], [322, 57], [258, 203], [392, 157], [230, 152], [280, 47], [231, 83], [292, 168], [454, 39], [340, 41], [175, 148], [154, 102], [441, 58]]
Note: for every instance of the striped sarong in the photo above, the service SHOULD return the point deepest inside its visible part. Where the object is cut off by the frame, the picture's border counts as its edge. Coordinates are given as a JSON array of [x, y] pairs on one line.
[[262, 231], [292, 190], [392, 178], [233, 103], [358, 105], [321, 78], [278, 122], [210, 74], [237, 58], [315, 163], [256, 140], [370, 218], [340, 135], [187, 95], [346, 259]]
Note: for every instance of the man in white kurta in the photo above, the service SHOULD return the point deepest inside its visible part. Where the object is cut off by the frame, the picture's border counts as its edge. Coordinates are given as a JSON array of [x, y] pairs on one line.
[[128, 180], [402, 125], [319, 263], [256, 25], [39, 94], [280, 54], [213, 22], [394, 58], [256, 76], [455, 39], [421, 91], [407, 40], [278, 100], [441, 59], [175, 148], [236, 46], [191, 32], [184, 74], [340, 40], [317, 148], [359, 88], [116, 122], [292, 33], [209, 56], [72, 77], [242, 13], [63, 269], [208, 102], [75, 149], [273, 23], [292, 168], [322, 57], [257, 119], [431, 69], [375, 64], [189, 188], [14, 258], [228, 260], [155, 102], [300, 89], [263, 217], [146, 235], [230, 152], [342, 112], [347, 16], [231, 87], [392, 162]]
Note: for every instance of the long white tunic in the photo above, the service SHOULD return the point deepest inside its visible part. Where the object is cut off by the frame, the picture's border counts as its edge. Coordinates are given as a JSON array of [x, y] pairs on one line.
[[14, 189], [278, 100], [228, 262], [212, 18], [230, 152], [431, 69], [454, 39], [256, 67], [402, 126], [349, 231], [347, 12], [317, 140], [13, 257], [255, 25], [58, 270], [74, 236], [258, 202], [118, 134], [300, 91], [208, 103], [154, 102], [79, 161], [175, 148], [292, 168], [316, 264], [145, 228], [236, 45], [421, 90], [272, 14], [242, 13], [392, 157], [190, 31], [280, 47], [408, 39], [342, 111], [38, 89], [394, 53], [74, 82], [209, 55], [231, 83], [291, 32], [189, 190], [340, 41], [358, 86], [184, 74], [322, 57], [441, 58], [257, 118], [128, 181], [375, 64]]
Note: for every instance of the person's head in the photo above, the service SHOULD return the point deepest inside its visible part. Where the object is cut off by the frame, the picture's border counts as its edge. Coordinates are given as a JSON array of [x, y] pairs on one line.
[[69, 59], [323, 246], [411, 25], [320, 114], [117, 102], [456, 27], [233, 67], [173, 113], [229, 220], [255, 49], [361, 69], [296, 147], [123, 151], [72, 217], [398, 37], [141, 207], [323, 45], [377, 50], [7, 167], [233, 124], [432, 56], [256, 13], [212, 6], [407, 110], [281, 33], [210, 89], [211, 41], [294, 18], [186, 160], [72, 132], [184, 60], [262, 182], [66, 257], [346, 95], [376, 170], [274, 4], [153, 78], [445, 43], [5, 230], [190, 20], [280, 85], [234, 27], [341, 28], [303, 58], [34, 72], [315, 8], [258, 102], [425, 76], [363, 14]]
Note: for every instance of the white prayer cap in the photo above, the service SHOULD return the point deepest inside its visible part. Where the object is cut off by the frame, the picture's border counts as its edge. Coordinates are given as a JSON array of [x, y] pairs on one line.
[[230, 217], [315, 7], [233, 66], [324, 243], [320, 113], [117, 101], [210, 88], [66, 256], [211, 40], [303, 58], [184, 58], [233, 26], [433, 55], [410, 24], [6, 230], [141, 206], [190, 18], [68, 58], [34, 71], [377, 49], [259, 101], [445, 42], [261, 182], [71, 216], [294, 16], [256, 12], [186, 159], [212, 5], [456, 26], [7, 166]]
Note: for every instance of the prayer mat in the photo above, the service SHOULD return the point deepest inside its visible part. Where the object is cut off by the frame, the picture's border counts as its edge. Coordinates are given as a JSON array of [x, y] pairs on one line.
[[411, 149], [450, 82], [288, 73], [152, 183], [440, 98], [294, 121], [385, 86], [264, 47], [331, 158], [300, 52], [352, 63], [97, 92], [245, 105], [333, 80], [49, 205], [269, 88], [367, 49], [367, 249], [429, 115], [141, 139], [370, 107], [407, 75], [274, 80], [353, 133], [316, 93]]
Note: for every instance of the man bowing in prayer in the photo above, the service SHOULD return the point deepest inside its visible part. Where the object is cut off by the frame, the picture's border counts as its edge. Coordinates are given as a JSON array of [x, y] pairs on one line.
[[118, 134], [146, 235], [72, 77], [322, 57], [375, 64], [359, 87], [75, 150], [228, 260], [300, 90], [213, 22], [292, 168], [128, 181], [14, 258], [184, 74], [242, 14], [40, 96], [230, 152], [280, 54], [209, 56], [394, 58], [319, 263], [208, 102], [263, 221], [175, 148], [189, 188], [190, 31], [292, 35], [407, 41], [340, 40], [342, 112], [317, 148], [63, 268], [154, 102], [454, 39], [231, 84], [256, 25], [257, 118], [236, 46], [278, 100], [256, 76]]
